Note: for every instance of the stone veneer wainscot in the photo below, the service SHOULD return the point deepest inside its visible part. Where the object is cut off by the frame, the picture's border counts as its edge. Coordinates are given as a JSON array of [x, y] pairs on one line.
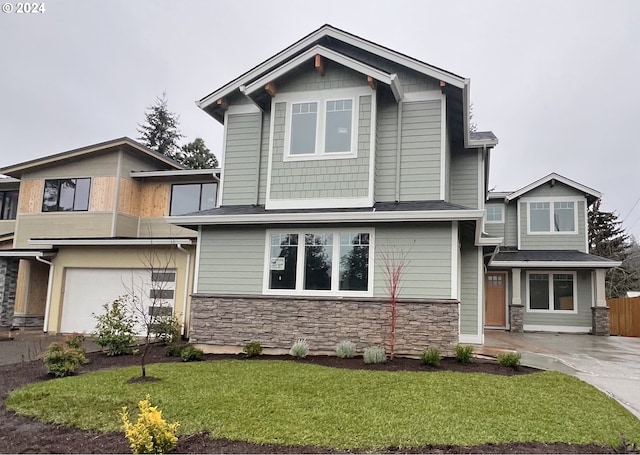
[[276, 322]]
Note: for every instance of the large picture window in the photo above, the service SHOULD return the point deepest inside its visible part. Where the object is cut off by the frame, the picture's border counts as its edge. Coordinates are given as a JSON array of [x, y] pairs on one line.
[[556, 217], [8, 205], [66, 195], [328, 262], [192, 197], [551, 292]]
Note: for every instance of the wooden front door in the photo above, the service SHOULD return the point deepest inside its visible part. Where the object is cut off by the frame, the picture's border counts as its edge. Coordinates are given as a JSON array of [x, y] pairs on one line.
[[495, 299]]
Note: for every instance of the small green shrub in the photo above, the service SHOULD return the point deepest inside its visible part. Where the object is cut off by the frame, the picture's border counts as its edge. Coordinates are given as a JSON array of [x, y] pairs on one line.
[[464, 354], [374, 354], [431, 357], [61, 360], [252, 349], [300, 349], [115, 329], [75, 340], [509, 359], [151, 433], [346, 349], [175, 349], [190, 353], [166, 328]]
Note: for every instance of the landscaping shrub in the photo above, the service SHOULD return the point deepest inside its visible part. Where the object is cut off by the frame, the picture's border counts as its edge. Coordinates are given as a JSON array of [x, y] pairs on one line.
[[431, 357], [253, 349], [175, 349], [345, 349], [190, 353], [300, 348], [509, 359], [374, 355], [151, 433], [166, 328], [464, 354], [115, 329], [75, 340], [61, 359]]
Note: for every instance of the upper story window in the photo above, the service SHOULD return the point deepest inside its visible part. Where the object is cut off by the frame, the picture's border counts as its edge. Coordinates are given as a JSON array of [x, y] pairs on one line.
[[495, 213], [322, 124], [8, 205], [552, 217], [319, 262], [192, 197], [66, 195]]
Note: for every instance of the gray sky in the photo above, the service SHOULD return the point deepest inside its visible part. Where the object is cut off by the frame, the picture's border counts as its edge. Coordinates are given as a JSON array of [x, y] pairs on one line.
[[556, 81]]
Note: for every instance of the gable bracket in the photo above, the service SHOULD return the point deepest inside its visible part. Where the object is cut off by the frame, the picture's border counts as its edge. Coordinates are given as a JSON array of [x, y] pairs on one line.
[[270, 87], [223, 103], [443, 86], [371, 82], [319, 64]]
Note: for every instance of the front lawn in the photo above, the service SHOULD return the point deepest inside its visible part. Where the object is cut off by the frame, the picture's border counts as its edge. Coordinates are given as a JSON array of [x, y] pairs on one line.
[[280, 402]]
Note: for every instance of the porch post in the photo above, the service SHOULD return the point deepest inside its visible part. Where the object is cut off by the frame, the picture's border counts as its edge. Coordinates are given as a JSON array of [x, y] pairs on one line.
[[600, 312], [516, 309]]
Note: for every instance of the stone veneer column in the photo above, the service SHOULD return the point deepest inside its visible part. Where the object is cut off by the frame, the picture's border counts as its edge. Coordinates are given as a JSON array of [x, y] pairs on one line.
[[600, 312], [516, 309], [8, 282]]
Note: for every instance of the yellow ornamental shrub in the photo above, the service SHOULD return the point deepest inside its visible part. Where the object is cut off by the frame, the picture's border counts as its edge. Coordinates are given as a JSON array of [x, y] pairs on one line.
[[151, 433]]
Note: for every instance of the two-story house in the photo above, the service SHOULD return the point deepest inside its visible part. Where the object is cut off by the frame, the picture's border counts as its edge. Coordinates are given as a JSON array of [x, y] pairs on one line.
[[88, 225], [339, 152], [542, 277]]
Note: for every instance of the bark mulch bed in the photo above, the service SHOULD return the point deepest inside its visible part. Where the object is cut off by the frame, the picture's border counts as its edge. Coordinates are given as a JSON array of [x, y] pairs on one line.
[[20, 434]]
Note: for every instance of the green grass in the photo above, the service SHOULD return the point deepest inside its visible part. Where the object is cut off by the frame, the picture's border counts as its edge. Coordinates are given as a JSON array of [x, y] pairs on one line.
[[293, 403]]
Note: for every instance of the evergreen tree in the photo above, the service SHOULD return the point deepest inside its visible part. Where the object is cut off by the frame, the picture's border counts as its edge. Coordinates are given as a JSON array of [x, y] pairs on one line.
[[608, 239], [196, 155], [160, 131]]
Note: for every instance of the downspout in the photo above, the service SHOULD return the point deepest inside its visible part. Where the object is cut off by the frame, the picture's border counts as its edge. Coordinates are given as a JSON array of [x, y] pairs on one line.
[[47, 307], [186, 287], [398, 147]]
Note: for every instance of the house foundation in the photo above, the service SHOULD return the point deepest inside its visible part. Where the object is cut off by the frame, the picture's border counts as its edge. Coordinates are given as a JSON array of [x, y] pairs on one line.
[[516, 318], [277, 322], [8, 283], [600, 321]]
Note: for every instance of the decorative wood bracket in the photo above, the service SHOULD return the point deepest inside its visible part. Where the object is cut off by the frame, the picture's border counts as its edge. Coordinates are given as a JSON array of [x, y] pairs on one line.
[[223, 103], [271, 89], [371, 82], [319, 64], [443, 86]]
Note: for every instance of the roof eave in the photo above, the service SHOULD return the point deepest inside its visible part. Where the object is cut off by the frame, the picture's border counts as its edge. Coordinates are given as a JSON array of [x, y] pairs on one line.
[[557, 264]]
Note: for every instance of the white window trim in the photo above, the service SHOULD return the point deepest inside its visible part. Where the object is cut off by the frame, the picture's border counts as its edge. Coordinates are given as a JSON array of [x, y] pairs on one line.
[[551, 309], [322, 97], [486, 219], [551, 201], [335, 261]]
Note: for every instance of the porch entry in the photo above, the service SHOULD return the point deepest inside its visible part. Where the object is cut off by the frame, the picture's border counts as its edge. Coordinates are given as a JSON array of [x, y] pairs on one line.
[[495, 285]]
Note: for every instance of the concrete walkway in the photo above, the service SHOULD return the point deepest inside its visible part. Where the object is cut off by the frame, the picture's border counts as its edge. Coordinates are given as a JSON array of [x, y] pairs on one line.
[[26, 345], [612, 364]]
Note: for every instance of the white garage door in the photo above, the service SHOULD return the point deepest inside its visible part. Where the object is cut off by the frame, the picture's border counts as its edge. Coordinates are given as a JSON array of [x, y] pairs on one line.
[[87, 290]]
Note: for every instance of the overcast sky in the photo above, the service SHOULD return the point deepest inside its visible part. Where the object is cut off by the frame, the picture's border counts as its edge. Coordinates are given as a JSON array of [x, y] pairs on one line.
[[556, 81]]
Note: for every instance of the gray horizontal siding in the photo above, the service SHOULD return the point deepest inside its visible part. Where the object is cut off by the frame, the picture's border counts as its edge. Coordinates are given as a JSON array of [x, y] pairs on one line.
[[420, 154], [241, 153], [428, 274], [231, 260], [553, 241], [386, 146], [494, 229], [585, 301], [558, 189], [308, 79], [511, 225], [264, 158], [469, 290], [62, 225], [464, 178]]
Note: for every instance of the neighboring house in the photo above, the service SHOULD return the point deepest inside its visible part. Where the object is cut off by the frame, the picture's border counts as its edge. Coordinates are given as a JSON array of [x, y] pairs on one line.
[[335, 150], [542, 277], [85, 227]]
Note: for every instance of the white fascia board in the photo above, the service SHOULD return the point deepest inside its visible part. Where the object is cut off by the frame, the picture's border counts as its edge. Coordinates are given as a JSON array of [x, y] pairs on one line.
[[178, 173], [327, 53], [396, 87], [557, 264], [23, 254], [328, 217], [108, 242], [368, 46], [559, 178]]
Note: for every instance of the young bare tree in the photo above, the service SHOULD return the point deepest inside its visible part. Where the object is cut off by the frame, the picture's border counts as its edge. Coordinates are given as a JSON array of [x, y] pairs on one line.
[[394, 262]]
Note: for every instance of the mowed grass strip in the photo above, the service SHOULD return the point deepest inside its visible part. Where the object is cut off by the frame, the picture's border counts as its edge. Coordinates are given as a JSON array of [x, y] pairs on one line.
[[276, 402]]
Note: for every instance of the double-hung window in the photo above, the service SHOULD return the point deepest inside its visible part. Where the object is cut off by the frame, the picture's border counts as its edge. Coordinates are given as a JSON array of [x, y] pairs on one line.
[[319, 262], [551, 292], [66, 195], [8, 205], [552, 217], [321, 125]]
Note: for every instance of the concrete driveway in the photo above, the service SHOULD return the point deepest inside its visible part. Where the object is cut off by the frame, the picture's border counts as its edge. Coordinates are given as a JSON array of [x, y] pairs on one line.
[[612, 364]]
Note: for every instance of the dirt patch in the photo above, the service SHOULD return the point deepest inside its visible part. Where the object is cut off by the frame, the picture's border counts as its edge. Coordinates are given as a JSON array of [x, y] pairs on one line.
[[25, 435]]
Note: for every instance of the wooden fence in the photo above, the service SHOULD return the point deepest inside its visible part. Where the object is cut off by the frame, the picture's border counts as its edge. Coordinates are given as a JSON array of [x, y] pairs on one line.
[[624, 315]]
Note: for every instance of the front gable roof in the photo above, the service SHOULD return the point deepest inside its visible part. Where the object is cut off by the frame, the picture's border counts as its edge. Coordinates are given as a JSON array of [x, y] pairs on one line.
[[103, 147], [552, 178], [352, 51]]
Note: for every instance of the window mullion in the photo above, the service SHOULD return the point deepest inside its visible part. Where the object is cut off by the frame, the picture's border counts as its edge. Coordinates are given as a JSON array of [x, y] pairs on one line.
[[335, 259], [552, 303], [300, 266], [321, 126]]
